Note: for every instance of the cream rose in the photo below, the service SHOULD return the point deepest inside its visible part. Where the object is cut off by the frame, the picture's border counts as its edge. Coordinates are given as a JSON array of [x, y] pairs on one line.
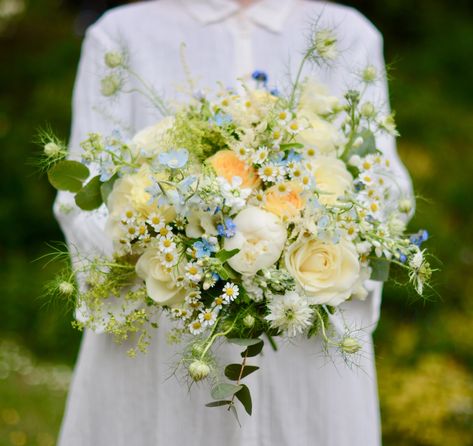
[[328, 273], [260, 237], [160, 283], [320, 133], [150, 139], [315, 98], [331, 178]]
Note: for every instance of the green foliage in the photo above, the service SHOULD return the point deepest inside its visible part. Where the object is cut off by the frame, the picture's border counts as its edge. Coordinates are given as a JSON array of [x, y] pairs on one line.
[[235, 372], [224, 390], [90, 196], [380, 269], [68, 175]]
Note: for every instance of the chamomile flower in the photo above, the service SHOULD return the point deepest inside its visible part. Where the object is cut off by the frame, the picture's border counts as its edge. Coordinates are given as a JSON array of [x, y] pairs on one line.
[[289, 313], [169, 259], [128, 217], [283, 117], [260, 155], [165, 232], [351, 230], [219, 302], [230, 292], [270, 173], [193, 272], [310, 153], [294, 127], [196, 327], [156, 221], [208, 317], [166, 244]]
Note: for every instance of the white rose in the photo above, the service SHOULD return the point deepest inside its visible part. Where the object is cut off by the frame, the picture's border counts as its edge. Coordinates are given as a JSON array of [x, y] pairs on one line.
[[331, 178], [150, 139], [201, 223], [327, 272], [260, 237], [160, 283], [321, 134], [316, 99]]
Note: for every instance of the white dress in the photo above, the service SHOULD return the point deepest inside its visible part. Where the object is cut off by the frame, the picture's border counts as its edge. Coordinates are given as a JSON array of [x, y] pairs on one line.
[[300, 396]]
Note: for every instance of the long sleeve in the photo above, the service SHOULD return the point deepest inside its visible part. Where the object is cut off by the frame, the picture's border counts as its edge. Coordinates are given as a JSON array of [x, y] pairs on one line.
[[84, 230]]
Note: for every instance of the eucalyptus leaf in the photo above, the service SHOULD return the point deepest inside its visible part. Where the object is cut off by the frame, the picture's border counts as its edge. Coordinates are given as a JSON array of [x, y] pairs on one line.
[[244, 396], [218, 403], [365, 148], [234, 372], [224, 390], [291, 145], [68, 175], [253, 350], [107, 187], [380, 269], [244, 342], [90, 197]]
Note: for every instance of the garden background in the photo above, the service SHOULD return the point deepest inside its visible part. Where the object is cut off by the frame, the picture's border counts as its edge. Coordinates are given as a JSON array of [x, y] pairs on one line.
[[424, 351]]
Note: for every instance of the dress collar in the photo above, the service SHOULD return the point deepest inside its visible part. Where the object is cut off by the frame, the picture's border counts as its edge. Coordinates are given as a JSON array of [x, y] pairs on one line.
[[270, 14]]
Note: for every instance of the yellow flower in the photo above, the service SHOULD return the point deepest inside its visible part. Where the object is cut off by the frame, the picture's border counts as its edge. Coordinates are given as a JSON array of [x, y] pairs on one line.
[[227, 164], [285, 199]]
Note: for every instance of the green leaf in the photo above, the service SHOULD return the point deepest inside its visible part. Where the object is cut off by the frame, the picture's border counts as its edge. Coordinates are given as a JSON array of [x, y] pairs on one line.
[[89, 197], [253, 350], [68, 175], [244, 342], [224, 255], [224, 390], [367, 146], [232, 371], [244, 396], [222, 272], [107, 187], [218, 403], [291, 145], [380, 269]]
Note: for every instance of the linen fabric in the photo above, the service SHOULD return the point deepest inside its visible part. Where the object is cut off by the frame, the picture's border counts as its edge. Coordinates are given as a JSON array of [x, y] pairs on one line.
[[301, 395]]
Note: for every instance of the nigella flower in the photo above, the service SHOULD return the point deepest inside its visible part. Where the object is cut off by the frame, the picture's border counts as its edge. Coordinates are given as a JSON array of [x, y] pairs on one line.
[[203, 248], [228, 229], [174, 159], [155, 191], [419, 238], [289, 313], [260, 76], [293, 156]]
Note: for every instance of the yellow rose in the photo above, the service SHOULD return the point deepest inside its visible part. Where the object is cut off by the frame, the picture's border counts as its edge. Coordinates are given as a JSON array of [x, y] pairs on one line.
[[328, 273], [227, 165], [331, 178], [285, 199], [160, 283]]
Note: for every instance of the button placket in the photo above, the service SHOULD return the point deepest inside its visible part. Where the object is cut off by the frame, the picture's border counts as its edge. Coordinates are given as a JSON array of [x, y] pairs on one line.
[[243, 49]]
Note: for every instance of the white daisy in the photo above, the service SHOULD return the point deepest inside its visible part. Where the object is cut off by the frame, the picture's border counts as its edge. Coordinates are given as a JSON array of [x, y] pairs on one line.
[[289, 313], [230, 292], [271, 173], [169, 259], [284, 116], [196, 327], [166, 244], [260, 155], [193, 272], [208, 317], [165, 231], [156, 221], [219, 302]]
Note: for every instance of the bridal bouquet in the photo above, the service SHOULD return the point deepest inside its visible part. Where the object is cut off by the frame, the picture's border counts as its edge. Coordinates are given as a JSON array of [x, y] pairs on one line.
[[240, 216]]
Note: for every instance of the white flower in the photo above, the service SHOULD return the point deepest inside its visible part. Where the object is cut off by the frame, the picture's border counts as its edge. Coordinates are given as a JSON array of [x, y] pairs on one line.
[[160, 283], [234, 195], [196, 327], [193, 272], [230, 292], [200, 223], [271, 173], [316, 99], [321, 134], [327, 272], [260, 155], [156, 221], [325, 43], [260, 237], [208, 317], [170, 259], [254, 291], [289, 313]]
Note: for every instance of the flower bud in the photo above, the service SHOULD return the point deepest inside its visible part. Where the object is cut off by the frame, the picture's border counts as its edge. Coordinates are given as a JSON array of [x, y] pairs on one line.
[[66, 288], [358, 142], [197, 350], [396, 225], [350, 345], [405, 206], [113, 59], [368, 110], [199, 370], [369, 74], [249, 321], [52, 149], [110, 85]]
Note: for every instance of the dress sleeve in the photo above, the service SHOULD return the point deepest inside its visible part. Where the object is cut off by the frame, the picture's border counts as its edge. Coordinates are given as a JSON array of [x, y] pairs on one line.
[[84, 231]]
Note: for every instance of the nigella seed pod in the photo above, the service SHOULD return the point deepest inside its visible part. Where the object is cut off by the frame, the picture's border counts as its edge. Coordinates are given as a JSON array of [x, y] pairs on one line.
[[66, 288], [249, 321], [350, 345], [51, 149], [110, 85], [369, 74], [114, 59], [199, 370]]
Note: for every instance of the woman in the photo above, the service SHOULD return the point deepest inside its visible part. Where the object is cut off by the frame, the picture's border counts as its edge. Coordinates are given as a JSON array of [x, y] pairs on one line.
[[300, 397]]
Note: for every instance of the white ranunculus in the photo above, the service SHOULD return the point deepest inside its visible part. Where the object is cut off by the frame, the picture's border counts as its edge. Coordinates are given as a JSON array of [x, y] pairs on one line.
[[328, 273], [201, 223], [260, 237], [160, 283], [331, 178], [321, 134], [150, 139], [315, 98]]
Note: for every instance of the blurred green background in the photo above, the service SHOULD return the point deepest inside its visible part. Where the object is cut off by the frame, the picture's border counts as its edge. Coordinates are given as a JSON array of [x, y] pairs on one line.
[[425, 358]]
